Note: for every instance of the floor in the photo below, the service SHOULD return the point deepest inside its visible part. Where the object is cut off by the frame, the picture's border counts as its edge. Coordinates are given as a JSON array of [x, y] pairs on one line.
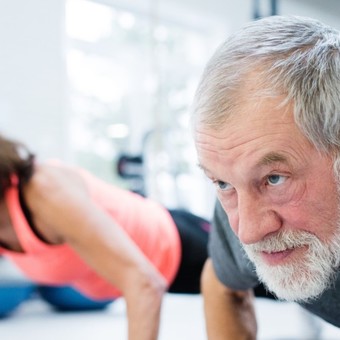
[[182, 319]]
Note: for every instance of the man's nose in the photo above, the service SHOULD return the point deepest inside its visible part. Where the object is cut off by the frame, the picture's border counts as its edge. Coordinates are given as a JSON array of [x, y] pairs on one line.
[[254, 219]]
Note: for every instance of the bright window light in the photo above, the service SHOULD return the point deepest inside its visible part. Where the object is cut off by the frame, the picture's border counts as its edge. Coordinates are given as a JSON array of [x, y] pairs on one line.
[[96, 76], [118, 131], [88, 21], [126, 20]]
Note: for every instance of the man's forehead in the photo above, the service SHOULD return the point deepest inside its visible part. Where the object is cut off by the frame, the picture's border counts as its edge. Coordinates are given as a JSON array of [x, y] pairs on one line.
[[259, 161], [271, 158], [252, 106]]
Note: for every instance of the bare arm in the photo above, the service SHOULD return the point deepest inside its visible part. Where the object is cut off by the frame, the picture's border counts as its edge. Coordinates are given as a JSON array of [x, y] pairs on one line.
[[229, 314], [62, 206], [115, 257]]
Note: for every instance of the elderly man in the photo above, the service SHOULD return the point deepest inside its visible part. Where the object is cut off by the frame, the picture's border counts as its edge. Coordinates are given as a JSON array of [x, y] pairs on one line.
[[267, 132]]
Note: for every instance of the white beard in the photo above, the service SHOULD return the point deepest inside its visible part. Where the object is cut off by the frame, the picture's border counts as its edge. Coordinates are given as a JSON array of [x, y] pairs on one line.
[[304, 279]]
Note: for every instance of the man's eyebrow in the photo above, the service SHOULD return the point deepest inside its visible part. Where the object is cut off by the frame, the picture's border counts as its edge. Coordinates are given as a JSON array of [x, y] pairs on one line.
[[200, 166], [205, 170], [272, 157]]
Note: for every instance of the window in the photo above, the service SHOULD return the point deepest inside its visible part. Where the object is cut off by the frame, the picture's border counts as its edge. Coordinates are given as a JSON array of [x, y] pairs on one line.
[[132, 79]]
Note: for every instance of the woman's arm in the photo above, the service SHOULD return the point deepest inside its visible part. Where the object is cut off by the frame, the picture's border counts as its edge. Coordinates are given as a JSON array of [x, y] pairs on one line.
[[63, 209], [115, 257], [228, 314]]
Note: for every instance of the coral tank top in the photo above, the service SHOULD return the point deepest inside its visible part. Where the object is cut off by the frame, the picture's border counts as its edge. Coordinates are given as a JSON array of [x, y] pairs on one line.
[[146, 222]]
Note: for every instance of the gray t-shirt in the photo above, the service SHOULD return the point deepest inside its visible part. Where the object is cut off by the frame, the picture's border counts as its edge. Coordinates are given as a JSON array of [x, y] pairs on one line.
[[234, 269]]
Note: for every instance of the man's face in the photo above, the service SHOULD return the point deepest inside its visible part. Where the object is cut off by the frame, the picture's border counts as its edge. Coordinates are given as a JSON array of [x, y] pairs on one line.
[[280, 196]]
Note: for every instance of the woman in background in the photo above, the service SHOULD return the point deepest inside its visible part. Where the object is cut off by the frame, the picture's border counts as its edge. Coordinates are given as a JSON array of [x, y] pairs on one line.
[[62, 226]]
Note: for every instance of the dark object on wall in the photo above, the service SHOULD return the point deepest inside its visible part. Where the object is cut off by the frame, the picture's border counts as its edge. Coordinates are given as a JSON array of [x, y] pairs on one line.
[[258, 13], [130, 168]]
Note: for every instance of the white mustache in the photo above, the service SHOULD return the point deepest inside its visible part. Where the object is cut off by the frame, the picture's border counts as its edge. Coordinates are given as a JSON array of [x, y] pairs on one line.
[[282, 241]]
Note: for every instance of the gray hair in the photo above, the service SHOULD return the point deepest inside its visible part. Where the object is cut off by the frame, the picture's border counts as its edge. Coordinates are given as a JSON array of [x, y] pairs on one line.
[[292, 56]]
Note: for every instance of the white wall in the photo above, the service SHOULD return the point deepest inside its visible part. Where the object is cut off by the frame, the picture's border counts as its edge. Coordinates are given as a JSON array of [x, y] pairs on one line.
[[33, 104], [233, 14], [33, 83]]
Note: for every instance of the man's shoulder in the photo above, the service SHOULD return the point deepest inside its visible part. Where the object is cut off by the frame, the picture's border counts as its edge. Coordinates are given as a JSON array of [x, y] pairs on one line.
[[327, 306]]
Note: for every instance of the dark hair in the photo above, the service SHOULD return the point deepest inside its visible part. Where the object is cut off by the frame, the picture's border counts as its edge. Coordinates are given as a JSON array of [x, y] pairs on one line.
[[15, 159]]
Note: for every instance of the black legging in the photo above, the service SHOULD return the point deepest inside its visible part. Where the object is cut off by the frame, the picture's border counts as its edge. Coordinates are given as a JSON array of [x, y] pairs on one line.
[[261, 291], [194, 234]]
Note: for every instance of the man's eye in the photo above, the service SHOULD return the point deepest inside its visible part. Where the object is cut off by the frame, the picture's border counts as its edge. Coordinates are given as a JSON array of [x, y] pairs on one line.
[[276, 180], [223, 186]]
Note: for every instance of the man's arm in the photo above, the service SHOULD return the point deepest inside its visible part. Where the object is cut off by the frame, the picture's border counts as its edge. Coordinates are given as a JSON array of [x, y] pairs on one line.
[[229, 314]]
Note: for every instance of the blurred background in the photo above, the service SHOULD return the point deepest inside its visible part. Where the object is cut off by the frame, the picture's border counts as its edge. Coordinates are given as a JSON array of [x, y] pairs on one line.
[[108, 85]]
